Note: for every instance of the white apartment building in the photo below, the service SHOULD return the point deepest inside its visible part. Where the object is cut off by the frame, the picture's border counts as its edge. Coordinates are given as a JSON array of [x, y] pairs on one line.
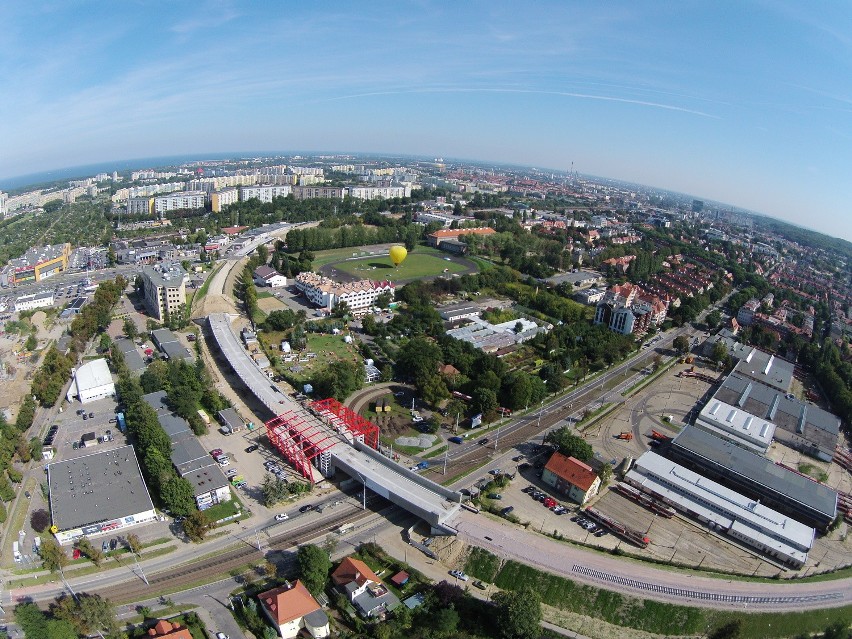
[[378, 192], [4, 204], [311, 192], [180, 200], [264, 193], [165, 289], [326, 293]]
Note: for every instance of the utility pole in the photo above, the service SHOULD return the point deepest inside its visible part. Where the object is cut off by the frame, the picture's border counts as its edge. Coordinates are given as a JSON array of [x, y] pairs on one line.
[[257, 539], [497, 438], [540, 411], [446, 456], [141, 572]]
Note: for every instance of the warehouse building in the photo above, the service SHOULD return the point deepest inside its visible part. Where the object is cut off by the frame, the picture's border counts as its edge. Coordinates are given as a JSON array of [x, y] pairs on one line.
[[97, 494], [755, 477], [91, 381], [799, 425], [192, 462], [723, 510], [736, 426], [132, 358], [767, 369]]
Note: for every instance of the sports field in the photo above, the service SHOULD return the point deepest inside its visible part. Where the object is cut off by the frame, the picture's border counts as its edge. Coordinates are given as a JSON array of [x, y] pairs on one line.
[[417, 265]]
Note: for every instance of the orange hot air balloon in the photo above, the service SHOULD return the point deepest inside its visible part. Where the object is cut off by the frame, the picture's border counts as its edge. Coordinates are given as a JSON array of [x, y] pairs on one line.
[[398, 255]]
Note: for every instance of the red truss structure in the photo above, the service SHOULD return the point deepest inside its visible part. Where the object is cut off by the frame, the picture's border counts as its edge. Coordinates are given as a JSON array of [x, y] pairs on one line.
[[340, 415], [300, 439]]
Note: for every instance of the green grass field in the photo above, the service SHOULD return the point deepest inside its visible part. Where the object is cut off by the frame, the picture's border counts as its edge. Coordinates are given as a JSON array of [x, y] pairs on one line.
[[417, 265]]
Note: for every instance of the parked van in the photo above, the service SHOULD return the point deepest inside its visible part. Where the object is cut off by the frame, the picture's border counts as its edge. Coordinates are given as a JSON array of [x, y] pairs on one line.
[[16, 552]]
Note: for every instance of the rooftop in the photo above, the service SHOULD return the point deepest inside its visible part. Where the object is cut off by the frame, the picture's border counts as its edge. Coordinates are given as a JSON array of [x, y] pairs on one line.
[[757, 470], [571, 470], [92, 375], [762, 522], [763, 367], [288, 602], [732, 422], [96, 488], [350, 570], [168, 275]]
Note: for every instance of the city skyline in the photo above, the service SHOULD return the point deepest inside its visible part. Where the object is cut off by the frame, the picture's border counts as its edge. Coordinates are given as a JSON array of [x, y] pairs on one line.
[[710, 102]]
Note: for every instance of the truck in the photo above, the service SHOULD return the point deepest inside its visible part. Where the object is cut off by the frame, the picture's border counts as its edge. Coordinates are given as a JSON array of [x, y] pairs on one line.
[[122, 425], [627, 436]]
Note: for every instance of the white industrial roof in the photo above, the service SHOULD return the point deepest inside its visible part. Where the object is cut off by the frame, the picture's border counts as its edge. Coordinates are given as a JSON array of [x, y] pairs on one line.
[[92, 374], [732, 422], [717, 503]]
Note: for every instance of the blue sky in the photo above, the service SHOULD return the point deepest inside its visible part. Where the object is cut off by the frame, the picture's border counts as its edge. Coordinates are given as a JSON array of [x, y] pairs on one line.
[[748, 103]]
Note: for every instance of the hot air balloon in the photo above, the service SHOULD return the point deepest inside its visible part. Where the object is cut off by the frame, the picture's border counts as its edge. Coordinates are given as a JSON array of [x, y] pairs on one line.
[[398, 254]]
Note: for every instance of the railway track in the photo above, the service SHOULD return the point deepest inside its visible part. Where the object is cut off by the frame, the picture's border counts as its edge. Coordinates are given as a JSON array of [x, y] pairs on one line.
[[205, 571]]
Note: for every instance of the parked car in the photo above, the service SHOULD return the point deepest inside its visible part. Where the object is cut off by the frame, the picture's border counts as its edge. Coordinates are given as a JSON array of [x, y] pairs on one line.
[[306, 508], [456, 440], [281, 517], [494, 471], [252, 448], [458, 574], [91, 415], [479, 584], [496, 496], [216, 452]]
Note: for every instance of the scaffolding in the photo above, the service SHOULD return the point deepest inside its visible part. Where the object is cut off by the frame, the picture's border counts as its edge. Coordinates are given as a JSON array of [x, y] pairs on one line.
[[346, 421], [303, 441]]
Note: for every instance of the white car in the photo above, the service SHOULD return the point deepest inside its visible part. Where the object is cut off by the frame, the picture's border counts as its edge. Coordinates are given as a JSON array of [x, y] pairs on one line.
[[281, 517], [222, 635], [458, 574]]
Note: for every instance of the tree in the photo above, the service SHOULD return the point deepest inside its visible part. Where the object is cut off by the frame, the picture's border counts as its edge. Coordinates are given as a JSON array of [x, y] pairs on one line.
[[518, 614], [383, 300], [714, 317], [88, 550], [418, 360], [134, 544], [444, 621], [569, 444], [156, 377], [681, 344], [273, 489], [605, 473], [53, 555], [104, 342], [88, 613], [434, 390], [178, 496], [32, 343], [196, 526], [341, 309], [484, 401], [339, 380], [130, 329], [314, 566], [730, 630]]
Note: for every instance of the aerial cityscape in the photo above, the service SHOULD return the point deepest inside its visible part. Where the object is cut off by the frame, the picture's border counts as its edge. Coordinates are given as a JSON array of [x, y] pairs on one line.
[[595, 383]]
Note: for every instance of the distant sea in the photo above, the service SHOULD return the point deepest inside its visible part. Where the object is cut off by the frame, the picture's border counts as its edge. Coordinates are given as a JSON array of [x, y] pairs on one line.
[[89, 170]]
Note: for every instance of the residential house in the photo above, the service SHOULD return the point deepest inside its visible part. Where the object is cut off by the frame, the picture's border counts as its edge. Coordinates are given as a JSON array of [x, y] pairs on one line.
[[574, 479], [291, 608], [363, 588]]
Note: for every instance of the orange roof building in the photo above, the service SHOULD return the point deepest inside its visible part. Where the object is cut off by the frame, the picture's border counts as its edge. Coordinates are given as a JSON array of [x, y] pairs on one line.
[[291, 608], [165, 629], [355, 570], [451, 236], [571, 477]]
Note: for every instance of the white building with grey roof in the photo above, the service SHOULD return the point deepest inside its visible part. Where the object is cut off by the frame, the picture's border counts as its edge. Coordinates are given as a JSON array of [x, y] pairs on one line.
[[725, 511], [98, 494], [165, 289]]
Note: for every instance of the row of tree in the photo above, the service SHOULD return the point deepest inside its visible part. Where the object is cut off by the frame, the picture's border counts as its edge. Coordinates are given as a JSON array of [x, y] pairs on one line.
[[153, 446]]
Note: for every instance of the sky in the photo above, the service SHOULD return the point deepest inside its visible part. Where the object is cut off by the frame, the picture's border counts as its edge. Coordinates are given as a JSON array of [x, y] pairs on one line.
[[748, 103]]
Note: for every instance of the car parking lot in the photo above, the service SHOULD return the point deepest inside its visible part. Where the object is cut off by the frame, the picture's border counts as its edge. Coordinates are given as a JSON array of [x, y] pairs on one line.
[[72, 427]]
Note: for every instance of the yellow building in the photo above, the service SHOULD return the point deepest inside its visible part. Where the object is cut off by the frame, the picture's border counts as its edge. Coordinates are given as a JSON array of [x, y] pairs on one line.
[[39, 263]]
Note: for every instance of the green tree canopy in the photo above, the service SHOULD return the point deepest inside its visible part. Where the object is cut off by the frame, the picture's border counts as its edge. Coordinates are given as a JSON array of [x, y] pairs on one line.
[[569, 444], [314, 566], [518, 613]]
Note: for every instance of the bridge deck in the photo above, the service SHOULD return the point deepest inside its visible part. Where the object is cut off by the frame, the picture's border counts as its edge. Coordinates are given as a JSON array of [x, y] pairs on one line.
[[401, 486]]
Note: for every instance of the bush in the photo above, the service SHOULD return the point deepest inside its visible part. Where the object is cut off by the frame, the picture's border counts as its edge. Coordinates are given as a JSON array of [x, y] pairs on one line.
[[15, 475], [40, 520]]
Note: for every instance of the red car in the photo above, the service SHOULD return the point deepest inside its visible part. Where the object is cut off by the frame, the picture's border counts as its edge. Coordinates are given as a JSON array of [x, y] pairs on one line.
[[216, 452], [550, 502], [75, 554]]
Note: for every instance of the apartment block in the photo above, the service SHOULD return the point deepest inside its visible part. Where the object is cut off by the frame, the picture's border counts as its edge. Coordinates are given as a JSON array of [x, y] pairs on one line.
[[165, 289]]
